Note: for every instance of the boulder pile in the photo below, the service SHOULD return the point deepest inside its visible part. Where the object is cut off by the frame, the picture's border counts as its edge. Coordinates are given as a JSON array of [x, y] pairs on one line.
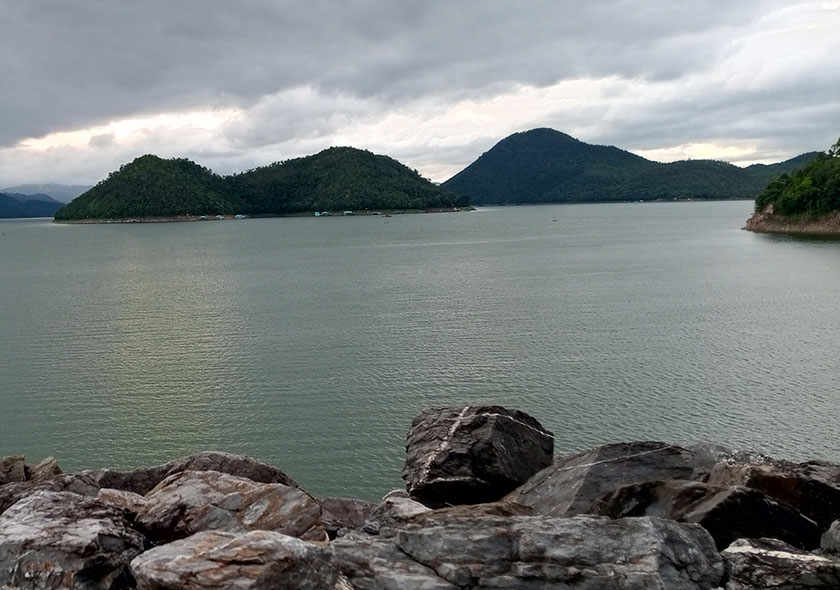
[[486, 506]]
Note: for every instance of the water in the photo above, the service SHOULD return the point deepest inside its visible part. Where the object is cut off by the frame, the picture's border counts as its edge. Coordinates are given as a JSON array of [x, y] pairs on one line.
[[311, 343]]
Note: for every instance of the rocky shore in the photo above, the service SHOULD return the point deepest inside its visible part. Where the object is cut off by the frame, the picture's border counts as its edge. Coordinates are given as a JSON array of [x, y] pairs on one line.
[[486, 506], [767, 221]]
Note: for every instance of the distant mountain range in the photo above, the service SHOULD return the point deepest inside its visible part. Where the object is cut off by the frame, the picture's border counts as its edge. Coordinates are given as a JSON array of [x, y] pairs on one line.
[[60, 192], [547, 166], [336, 179], [19, 205]]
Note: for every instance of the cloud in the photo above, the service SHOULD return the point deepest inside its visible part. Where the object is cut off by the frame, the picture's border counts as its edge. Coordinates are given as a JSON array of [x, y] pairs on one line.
[[88, 86]]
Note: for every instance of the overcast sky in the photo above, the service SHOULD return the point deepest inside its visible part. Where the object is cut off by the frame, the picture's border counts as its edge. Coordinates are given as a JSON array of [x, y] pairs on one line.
[[87, 86]]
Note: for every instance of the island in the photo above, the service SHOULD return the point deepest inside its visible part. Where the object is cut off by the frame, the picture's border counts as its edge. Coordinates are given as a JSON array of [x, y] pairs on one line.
[[337, 179], [806, 201]]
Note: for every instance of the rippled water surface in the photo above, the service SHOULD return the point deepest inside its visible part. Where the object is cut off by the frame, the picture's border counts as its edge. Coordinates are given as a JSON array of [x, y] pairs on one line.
[[311, 343]]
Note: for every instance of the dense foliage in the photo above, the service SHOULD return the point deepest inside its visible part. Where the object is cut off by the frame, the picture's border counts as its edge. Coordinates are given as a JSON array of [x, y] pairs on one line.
[[811, 190], [546, 166], [14, 205], [336, 179]]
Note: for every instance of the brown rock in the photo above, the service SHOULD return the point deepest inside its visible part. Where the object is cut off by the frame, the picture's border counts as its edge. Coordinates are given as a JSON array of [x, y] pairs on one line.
[[194, 501], [78, 484], [344, 514], [12, 469], [258, 560], [46, 469], [757, 564]]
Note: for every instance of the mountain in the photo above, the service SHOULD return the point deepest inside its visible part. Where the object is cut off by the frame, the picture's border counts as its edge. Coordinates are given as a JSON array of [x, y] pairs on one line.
[[335, 179], [59, 192], [16, 205], [151, 187], [547, 166]]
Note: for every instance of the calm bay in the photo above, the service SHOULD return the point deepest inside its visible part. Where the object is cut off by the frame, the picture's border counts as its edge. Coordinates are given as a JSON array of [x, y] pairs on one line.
[[310, 343]]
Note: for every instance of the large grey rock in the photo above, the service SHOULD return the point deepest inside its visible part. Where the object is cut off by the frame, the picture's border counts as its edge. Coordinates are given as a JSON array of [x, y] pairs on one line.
[[812, 488], [473, 454], [830, 541], [528, 552], [727, 513], [756, 564], [64, 540], [78, 484], [344, 514], [140, 481], [374, 563], [392, 511], [573, 484], [12, 469], [45, 469], [129, 502], [194, 501], [258, 560]]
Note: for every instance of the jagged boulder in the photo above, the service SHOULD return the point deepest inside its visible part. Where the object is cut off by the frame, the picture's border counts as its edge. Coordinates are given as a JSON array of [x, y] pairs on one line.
[[812, 488], [12, 469], [214, 560], [483, 552], [473, 454], [757, 564], [343, 514], [64, 540], [573, 484], [140, 481], [194, 501], [77, 484], [727, 513], [45, 469]]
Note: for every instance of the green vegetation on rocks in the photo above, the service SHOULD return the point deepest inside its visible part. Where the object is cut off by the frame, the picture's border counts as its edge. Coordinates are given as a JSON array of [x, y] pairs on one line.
[[336, 179], [813, 190]]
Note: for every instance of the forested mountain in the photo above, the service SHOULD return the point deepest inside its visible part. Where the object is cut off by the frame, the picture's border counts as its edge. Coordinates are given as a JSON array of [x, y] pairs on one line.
[[59, 192], [336, 179], [547, 166], [812, 190], [15, 205]]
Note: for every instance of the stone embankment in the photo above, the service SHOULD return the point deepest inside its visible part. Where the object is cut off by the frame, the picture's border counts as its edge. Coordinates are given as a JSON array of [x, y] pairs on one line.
[[486, 506], [767, 221]]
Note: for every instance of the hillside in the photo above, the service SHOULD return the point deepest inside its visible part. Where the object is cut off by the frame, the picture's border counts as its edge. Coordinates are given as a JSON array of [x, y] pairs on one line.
[[59, 192], [806, 200], [336, 179], [15, 205], [547, 166]]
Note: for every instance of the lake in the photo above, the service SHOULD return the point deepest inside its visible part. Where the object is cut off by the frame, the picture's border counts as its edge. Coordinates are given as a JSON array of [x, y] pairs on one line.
[[310, 343]]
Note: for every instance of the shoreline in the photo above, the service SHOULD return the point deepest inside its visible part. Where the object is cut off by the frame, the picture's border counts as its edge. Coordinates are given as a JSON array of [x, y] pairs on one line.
[[230, 216], [769, 222]]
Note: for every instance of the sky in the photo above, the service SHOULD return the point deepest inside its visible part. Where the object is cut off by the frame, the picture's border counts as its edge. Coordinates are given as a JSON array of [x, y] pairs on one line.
[[88, 86]]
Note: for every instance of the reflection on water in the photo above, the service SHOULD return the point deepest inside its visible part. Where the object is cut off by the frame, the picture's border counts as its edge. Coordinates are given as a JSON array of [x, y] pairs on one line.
[[311, 343]]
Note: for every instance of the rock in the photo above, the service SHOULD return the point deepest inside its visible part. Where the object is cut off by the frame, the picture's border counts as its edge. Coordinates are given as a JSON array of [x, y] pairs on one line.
[[830, 541], [12, 469], [473, 454], [193, 501], [78, 484], [727, 513], [140, 481], [531, 552], [340, 514], [373, 563], [213, 560], [812, 488], [391, 512], [46, 469], [64, 540], [754, 564], [573, 484], [132, 504]]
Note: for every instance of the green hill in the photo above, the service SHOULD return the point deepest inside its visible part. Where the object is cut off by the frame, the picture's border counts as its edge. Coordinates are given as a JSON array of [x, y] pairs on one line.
[[151, 187], [17, 205], [812, 190], [336, 179], [547, 166]]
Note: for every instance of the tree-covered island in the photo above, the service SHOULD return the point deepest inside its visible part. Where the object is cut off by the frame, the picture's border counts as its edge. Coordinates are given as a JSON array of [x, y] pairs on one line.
[[806, 200], [336, 179]]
